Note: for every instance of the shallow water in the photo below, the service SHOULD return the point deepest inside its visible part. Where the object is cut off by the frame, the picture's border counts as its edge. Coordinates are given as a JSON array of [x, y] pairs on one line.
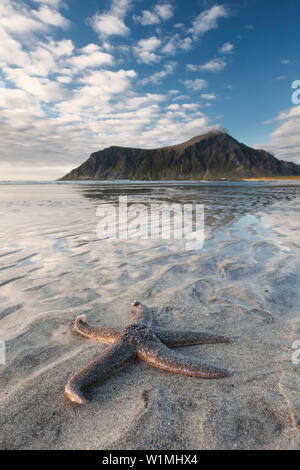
[[53, 267], [49, 249]]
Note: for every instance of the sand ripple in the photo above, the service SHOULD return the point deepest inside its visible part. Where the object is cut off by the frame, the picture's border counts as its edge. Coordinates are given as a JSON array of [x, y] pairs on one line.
[[244, 284]]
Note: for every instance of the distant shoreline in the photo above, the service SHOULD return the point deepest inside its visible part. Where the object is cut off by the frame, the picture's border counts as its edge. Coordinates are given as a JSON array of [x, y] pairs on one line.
[[270, 178], [132, 181]]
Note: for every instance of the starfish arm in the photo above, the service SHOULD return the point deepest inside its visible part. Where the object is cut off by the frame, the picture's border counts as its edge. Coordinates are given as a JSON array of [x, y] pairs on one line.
[[105, 335], [158, 355], [188, 338], [112, 359], [141, 313]]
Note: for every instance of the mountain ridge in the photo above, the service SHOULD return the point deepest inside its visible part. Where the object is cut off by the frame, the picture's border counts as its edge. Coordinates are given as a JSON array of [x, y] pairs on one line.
[[215, 155]]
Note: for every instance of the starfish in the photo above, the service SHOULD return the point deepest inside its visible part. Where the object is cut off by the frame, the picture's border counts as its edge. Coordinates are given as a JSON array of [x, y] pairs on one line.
[[150, 345]]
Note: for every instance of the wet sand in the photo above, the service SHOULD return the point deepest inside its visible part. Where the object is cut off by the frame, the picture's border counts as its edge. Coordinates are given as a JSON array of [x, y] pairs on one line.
[[244, 283], [273, 178]]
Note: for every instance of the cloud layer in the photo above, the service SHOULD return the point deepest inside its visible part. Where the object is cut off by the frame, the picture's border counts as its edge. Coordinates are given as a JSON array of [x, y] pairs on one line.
[[284, 140], [61, 99]]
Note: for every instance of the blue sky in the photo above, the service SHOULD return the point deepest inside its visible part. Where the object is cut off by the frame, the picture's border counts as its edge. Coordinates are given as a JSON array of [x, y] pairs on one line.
[[77, 76]]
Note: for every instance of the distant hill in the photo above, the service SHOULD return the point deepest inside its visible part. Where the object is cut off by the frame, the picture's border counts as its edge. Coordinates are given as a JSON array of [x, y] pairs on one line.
[[211, 156]]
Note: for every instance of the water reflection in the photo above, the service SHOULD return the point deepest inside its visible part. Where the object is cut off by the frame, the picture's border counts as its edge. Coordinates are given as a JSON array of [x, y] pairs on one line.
[[223, 201]]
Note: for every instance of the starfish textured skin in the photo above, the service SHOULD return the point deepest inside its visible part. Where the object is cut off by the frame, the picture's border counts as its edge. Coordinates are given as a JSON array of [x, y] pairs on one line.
[[138, 339]]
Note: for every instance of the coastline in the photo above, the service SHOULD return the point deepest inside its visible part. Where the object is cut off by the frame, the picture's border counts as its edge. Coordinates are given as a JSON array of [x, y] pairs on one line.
[[273, 178]]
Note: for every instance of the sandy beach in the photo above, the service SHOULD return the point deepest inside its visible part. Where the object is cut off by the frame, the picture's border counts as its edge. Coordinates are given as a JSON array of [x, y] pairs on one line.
[[244, 283]]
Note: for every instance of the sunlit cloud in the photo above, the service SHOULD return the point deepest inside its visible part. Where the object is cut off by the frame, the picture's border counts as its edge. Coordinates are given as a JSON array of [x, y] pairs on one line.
[[161, 12], [226, 48], [208, 20], [111, 22], [197, 84]]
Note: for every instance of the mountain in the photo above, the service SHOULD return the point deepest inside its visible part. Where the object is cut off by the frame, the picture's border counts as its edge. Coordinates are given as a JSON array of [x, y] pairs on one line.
[[215, 155]]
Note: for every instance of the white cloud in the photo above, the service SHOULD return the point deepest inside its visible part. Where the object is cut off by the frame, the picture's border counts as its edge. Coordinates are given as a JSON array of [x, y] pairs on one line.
[[91, 56], [41, 62], [197, 84], [18, 20], [90, 48], [204, 22], [226, 48], [208, 96], [160, 12], [169, 48], [185, 44], [147, 18], [192, 67], [174, 107], [208, 20], [63, 48], [16, 99], [64, 79], [11, 51], [285, 61], [137, 101], [109, 82], [42, 88], [52, 3], [214, 65], [120, 7], [108, 25], [165, 11], [112, 22], [51, 17], [176, 43], [190, 106], [159, 76], [145, 50], [281, 77], [284, 141]]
